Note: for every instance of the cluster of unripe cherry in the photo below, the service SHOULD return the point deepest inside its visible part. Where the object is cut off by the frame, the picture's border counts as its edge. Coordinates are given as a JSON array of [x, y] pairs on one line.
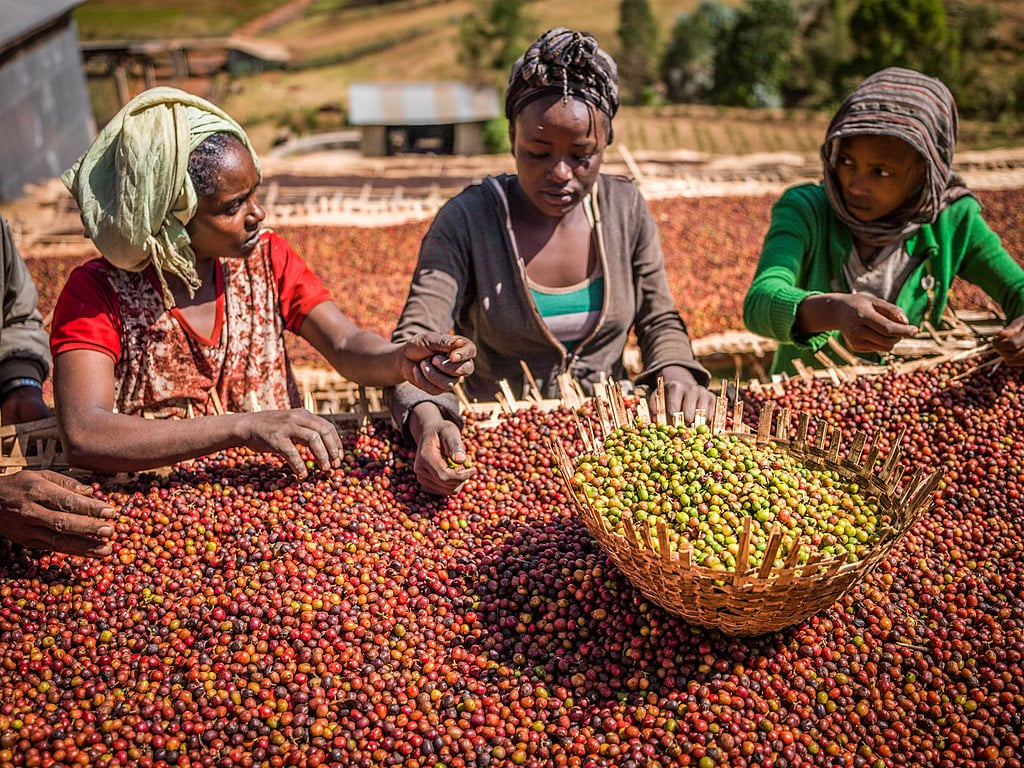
[[703, 485]]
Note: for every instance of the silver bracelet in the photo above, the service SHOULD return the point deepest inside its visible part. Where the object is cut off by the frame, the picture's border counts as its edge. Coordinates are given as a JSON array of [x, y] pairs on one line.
[[18, 383]]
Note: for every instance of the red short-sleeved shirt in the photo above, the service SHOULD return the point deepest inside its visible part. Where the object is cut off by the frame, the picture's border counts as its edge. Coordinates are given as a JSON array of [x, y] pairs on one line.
[[162, 366]]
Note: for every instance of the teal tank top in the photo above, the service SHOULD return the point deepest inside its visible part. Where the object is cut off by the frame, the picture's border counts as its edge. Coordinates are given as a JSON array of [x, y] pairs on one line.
[[570, 313]]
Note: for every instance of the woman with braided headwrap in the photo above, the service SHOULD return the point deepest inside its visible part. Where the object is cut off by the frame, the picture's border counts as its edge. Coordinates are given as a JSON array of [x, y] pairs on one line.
[[870, 253], [186, 313], [552, 266]]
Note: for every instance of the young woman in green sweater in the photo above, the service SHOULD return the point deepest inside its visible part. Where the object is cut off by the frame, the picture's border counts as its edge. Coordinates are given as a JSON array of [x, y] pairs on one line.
[[871, 252]]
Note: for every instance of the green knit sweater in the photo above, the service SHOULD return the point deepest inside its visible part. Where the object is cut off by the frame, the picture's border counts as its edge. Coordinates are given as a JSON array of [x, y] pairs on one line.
[[806, 247]]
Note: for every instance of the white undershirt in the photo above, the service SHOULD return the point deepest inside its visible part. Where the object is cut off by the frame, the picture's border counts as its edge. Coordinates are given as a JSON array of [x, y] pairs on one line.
[[884, 275]]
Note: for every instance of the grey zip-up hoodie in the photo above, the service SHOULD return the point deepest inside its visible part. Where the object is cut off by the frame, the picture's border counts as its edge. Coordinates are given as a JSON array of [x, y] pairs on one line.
[[470, 278]]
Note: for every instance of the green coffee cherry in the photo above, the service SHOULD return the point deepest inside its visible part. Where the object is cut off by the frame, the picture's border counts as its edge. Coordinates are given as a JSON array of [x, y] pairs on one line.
[[703, 485]]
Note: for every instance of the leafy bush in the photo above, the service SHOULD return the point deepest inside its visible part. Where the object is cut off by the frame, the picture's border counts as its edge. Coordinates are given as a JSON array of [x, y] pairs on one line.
[[495, 135]]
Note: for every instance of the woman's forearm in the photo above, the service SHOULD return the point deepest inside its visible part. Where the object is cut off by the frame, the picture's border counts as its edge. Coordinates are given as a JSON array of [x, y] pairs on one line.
[[368, 359], [817, 313], [357, 354], [98, 440]]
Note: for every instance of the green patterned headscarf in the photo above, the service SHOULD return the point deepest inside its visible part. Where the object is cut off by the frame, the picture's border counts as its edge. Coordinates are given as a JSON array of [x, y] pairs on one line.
[[132, 185]]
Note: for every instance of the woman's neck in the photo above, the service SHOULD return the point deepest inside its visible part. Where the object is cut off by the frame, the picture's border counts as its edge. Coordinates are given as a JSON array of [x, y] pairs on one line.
[[207, 271]]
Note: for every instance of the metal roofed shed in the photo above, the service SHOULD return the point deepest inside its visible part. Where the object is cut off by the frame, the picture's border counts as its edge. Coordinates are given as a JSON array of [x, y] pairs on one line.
[[445, 118], [46, 119]]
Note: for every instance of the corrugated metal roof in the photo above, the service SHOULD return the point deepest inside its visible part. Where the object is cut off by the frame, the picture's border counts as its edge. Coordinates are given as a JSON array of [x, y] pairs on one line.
[[21, 18], [440, 103]]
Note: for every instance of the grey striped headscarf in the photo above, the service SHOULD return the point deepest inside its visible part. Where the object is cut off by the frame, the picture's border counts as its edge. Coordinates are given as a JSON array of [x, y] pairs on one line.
[[921, 111], [566, 63]]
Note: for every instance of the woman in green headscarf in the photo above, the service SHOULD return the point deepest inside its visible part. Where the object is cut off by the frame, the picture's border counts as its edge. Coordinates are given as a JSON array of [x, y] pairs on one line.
[[185, 313]]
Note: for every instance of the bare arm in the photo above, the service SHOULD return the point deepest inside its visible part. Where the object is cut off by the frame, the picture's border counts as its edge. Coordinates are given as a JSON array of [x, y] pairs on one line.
[[434, 362], [96, 438]]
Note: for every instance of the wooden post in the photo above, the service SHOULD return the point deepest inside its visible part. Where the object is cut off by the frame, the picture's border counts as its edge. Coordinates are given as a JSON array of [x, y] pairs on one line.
[[180, 60], [121, 83]]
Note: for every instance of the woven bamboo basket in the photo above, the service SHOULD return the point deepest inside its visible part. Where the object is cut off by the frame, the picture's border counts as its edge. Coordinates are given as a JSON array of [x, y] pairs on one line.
[[749, 600]]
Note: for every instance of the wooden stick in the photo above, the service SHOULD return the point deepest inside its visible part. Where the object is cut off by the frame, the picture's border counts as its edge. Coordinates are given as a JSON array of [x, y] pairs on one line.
[[664, 547], [506, 390], [643, 414], [460, 392], [793, 556], [218, 407], [782, 424], [774, 542], [586, 435], [801, 369], [743, 557], [500, 398], [833, 447], [721, 407], [764, 423], [856, 450], [660, 411], [604, 418], [627, 526], [363, 409], [529, 378]]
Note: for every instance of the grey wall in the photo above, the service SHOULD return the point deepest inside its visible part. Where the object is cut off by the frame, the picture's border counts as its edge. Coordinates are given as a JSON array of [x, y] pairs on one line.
[[46, 120]]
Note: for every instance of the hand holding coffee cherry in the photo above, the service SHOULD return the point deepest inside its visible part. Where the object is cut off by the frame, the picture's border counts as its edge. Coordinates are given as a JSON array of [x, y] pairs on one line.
[[436, 362], [281, 431], [1009, 342], [442, 464]]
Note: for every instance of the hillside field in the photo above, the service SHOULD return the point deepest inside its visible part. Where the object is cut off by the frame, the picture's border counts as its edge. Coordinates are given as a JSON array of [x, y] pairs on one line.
[[333, 45]]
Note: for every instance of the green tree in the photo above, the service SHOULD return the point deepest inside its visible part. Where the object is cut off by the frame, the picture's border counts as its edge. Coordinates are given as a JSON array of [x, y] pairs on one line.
[[493, 37], [821, 54], [903, 33], [753, 60], [980, 91], [687, 65], [637, 61]]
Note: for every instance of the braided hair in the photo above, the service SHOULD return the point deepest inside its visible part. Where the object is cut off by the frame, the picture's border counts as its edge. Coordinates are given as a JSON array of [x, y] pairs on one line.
[[204, 161], [568, 64]]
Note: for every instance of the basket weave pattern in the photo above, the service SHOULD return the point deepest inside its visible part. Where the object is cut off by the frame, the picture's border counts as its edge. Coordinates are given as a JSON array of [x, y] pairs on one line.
[[754, 600]]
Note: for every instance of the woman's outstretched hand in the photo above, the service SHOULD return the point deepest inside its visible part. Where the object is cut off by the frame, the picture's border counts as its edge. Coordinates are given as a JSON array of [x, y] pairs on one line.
[[866, 323], [281, 432], [436, 362]]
